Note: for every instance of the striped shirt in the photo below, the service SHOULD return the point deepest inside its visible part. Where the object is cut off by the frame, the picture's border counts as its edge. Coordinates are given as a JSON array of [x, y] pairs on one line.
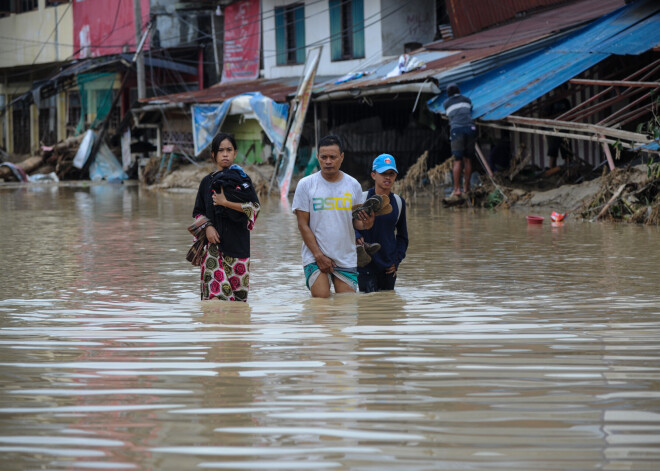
[[459, 111]]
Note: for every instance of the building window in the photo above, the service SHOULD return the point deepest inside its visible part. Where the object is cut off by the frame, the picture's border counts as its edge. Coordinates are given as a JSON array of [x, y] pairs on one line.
[[6, 8], [21, 128], [74, 112], [346, 29], [290, 34], [26, 5], [48, 121]]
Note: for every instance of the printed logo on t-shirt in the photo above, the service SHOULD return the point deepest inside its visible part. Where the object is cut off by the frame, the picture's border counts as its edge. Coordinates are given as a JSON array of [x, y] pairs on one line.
[[330, 203]]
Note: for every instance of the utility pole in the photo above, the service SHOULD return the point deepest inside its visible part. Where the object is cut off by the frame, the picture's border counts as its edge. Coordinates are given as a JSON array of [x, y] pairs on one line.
[[215, 47], [142, 89]]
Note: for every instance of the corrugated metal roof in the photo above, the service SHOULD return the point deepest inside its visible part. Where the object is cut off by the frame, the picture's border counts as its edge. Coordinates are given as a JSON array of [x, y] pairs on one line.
[[468, 16], [446, 61], [533, 27], [498, 93], [276, 89], [467, 57]]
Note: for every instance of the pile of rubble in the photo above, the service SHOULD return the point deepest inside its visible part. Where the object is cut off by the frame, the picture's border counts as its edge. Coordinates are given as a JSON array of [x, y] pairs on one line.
[[55, 161]]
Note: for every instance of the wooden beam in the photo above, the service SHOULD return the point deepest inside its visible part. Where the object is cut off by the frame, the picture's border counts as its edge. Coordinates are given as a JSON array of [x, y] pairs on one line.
[[615, 83], [580, 137], [623, 111], [645, 72], [614, 197], [584, 127], [484, 162], [608, 154]]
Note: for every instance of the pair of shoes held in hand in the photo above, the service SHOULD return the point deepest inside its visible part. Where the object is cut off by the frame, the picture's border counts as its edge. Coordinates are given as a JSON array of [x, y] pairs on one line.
[[365, 251], [376, 204]]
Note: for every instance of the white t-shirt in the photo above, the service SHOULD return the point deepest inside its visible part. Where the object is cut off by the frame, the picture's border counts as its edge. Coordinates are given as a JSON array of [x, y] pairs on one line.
[[329, 205]]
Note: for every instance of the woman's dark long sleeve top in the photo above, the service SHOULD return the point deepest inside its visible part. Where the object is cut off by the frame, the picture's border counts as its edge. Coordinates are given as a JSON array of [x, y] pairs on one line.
[[233, 226]]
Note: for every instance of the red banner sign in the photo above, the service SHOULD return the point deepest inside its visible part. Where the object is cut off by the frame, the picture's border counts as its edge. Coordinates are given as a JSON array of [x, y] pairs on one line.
[[242, 41], [104, 27]]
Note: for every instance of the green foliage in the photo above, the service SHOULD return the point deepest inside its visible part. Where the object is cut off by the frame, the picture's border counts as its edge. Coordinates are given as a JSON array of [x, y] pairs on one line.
[[494, 199], [653, 170]]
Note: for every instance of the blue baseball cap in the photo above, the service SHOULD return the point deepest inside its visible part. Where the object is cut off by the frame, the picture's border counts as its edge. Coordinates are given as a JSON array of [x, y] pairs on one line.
[[383, 163]]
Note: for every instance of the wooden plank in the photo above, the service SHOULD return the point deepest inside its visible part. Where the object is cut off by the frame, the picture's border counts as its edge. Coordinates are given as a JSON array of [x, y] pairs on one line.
[[615, 83], [569, 125], [614, 197], [483, 160], [608, 154]]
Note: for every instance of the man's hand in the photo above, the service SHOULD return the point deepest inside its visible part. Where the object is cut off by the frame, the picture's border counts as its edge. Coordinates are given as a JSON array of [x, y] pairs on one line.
[[326, 264], [391, 270], [364, 220], [212, 235]]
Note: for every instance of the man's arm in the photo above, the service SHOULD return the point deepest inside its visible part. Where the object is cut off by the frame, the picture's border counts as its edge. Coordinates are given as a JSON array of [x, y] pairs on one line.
[[325, 264]]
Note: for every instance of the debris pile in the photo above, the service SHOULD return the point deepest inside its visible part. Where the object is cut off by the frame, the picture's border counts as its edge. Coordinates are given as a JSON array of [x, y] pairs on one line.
[[189, 176], [57, 160], [414, 179], [629, 194]]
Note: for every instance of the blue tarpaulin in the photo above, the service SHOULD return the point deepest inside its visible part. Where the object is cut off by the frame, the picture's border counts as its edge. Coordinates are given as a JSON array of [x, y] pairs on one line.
[[208, 119], [632, 29]]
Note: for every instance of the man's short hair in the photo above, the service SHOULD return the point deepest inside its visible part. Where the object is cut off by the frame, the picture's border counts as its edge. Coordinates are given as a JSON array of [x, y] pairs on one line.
[[331, 140], [453, 89]]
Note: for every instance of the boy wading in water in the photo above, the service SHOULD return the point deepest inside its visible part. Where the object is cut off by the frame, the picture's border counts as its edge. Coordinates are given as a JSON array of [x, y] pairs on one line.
[[323, 204], [389, 230]]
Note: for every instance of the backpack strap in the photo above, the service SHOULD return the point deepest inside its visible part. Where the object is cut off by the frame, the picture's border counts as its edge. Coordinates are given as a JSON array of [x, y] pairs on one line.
[[399, 204]]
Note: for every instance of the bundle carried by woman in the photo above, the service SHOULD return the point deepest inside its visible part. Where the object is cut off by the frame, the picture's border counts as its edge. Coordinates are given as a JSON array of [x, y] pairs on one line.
[[237, 187]]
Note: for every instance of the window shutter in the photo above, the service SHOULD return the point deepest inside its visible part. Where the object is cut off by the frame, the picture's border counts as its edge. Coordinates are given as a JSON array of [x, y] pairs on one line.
[[300, 34], [280, 36], [358, 28], [335, 30]]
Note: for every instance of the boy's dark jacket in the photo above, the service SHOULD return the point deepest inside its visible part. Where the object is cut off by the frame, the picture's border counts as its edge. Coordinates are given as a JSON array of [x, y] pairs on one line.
[[393, 245]]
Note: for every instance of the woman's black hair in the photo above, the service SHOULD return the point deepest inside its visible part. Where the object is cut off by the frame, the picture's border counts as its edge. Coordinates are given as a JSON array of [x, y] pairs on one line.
[[221, 136], [331, 140]]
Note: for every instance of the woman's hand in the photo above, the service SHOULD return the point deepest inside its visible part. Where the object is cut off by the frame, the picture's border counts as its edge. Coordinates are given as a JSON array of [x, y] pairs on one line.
[[219, 199], [212, 235]]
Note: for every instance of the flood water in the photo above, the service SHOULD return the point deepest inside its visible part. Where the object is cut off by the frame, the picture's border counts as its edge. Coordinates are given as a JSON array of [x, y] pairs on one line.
[[505, 346]]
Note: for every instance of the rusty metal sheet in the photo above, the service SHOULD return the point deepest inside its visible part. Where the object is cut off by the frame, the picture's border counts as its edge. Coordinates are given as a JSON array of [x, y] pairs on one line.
[[470, 16], [276, 89], [459, 57], [532, 27]]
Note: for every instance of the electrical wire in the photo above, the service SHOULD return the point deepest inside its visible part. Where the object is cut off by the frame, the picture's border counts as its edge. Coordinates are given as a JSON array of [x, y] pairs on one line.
[[53, 32]]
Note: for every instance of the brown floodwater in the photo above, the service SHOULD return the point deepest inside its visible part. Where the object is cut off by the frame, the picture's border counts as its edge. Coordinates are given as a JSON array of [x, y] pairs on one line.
[[504, 346]]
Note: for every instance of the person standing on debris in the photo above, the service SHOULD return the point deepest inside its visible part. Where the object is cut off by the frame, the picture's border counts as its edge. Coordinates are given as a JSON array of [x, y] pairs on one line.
[[463, 133], [390, 231], [226, 209], [324, 206]]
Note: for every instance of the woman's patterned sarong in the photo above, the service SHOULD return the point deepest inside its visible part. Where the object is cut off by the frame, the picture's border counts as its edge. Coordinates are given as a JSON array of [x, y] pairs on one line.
[[225, 278]]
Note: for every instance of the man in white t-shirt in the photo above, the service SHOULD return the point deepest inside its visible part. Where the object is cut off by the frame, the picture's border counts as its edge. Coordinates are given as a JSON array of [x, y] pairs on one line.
[[323, 203]]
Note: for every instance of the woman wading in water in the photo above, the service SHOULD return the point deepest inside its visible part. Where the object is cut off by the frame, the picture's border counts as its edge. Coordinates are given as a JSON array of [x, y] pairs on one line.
[[226, 208]]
